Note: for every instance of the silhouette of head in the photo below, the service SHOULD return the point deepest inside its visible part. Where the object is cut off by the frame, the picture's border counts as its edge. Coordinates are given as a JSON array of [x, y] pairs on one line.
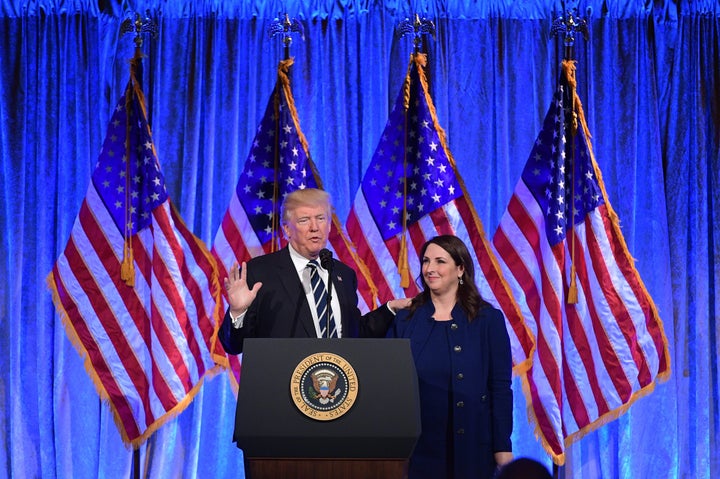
[[524, 468]]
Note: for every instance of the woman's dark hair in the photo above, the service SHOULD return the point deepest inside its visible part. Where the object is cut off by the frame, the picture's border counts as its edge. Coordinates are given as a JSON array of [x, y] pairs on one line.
[[467, 294]]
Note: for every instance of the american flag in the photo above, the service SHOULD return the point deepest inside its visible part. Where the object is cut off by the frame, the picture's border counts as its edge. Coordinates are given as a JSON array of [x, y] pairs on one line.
[[600, 341], [412, 192], [138, 293], [278, 164]]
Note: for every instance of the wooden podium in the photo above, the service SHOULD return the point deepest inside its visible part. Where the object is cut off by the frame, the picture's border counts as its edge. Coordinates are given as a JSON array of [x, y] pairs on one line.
[[367, 429]]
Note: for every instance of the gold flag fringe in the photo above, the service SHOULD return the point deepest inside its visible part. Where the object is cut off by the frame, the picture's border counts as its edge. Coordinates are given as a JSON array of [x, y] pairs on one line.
[[568, 67], [102, 392], [127, 274], [420, 60]]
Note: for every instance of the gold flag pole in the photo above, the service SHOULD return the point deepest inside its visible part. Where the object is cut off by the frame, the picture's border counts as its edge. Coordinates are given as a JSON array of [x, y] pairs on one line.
[[137, 26], [417, 28], [568, 24], [284, 27]]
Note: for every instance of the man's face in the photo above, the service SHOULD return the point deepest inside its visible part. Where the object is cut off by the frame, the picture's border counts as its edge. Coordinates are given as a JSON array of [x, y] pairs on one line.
[[307, 230]]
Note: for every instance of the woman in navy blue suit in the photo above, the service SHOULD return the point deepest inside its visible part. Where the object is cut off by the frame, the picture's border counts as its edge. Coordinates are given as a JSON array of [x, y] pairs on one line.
[[462, 355]]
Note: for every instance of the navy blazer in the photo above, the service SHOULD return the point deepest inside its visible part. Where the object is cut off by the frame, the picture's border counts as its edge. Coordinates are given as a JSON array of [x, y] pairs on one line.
[[281, 309], [474, 418]]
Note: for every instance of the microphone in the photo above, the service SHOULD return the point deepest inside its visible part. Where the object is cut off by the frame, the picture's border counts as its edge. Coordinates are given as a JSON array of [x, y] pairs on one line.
[[326, 261]]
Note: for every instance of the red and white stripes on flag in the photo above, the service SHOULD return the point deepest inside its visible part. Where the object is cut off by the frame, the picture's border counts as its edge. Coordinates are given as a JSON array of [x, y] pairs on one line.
[[600, 342], [412, 192], [137, 292]]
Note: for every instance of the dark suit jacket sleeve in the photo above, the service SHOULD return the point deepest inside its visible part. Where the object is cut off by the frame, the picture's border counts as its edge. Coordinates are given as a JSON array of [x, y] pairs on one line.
[[375, 324], [371, 325], [230, 337]]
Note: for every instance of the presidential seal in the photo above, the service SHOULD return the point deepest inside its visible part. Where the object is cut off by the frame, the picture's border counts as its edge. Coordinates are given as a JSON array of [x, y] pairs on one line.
[[324, 386]]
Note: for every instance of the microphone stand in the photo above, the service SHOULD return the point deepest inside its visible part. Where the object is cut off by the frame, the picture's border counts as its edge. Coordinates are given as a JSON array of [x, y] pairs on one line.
[[329, 310], [327, 262]]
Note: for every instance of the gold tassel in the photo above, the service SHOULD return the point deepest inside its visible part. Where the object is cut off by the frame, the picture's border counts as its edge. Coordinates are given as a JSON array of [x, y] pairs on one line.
[[572, 290], [403, 265], [127, 268]]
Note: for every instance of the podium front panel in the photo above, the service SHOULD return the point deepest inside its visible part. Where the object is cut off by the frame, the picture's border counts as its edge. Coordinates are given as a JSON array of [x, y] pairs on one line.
[[383, 421]]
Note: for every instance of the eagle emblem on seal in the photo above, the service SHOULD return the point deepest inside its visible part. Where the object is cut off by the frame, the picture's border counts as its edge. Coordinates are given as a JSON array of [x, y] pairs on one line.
[[324, 385]]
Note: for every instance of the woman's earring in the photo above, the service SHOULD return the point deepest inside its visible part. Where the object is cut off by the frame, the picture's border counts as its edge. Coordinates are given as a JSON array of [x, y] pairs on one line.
[[460, 280]]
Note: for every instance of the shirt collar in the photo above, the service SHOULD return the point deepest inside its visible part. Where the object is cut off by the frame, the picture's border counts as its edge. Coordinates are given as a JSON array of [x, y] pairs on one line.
[[299, 261]]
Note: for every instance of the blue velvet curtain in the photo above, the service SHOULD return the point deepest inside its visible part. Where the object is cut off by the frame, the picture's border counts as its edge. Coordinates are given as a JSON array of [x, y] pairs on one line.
[[649, 79]]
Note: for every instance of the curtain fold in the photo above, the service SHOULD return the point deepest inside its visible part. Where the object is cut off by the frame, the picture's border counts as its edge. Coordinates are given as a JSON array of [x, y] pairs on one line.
[[649, 79], [347, 9]]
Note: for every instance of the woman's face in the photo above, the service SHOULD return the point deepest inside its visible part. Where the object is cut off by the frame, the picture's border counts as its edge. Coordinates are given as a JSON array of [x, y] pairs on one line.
[[440, 271]]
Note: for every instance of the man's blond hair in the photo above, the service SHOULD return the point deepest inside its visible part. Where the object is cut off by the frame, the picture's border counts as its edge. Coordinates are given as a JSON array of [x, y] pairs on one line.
[[305, 197]]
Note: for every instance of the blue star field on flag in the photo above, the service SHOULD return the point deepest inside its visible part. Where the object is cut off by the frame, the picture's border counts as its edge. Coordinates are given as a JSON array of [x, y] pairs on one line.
[[114, 168], [431, 180], [257, 181], [547, 172]]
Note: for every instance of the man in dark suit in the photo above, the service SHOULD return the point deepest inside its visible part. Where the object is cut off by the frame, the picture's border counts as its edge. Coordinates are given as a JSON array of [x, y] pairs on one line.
[[272, 296]]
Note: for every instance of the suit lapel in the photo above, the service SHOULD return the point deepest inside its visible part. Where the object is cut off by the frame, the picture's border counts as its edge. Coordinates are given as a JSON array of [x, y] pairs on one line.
[[339, 287], [289, 280]]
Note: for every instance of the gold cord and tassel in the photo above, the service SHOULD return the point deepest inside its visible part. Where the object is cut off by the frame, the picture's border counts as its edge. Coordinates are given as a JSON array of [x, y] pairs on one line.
[[569, 67], [127, 267]]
